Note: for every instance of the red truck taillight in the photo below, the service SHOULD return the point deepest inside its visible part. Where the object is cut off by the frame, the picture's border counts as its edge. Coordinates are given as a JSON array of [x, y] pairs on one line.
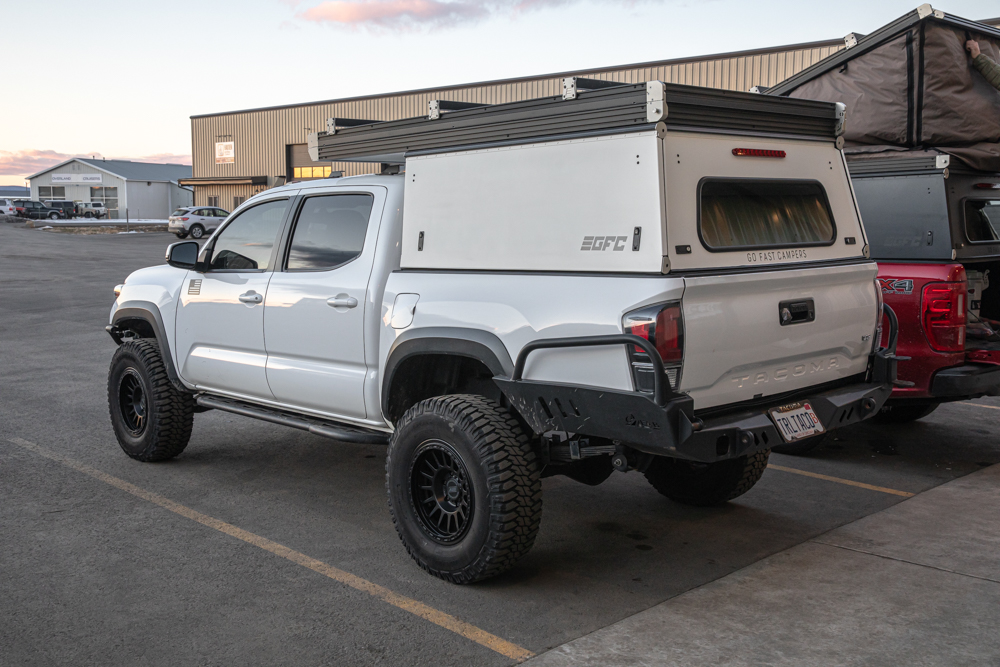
[[943, 316], [663, 326]]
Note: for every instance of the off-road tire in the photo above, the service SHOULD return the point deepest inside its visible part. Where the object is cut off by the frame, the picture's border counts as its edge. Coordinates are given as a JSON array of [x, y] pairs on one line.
[[801, 447], [498, 467], [903, 414], [168, 412], [197, 231], [706, 484]]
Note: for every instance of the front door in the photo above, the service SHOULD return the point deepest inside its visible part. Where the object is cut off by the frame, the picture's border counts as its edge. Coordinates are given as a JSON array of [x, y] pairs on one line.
[[220, 316], [314, 312]]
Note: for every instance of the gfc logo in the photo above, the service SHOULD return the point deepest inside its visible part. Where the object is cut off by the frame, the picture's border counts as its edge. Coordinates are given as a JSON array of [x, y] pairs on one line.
[[615, 243]]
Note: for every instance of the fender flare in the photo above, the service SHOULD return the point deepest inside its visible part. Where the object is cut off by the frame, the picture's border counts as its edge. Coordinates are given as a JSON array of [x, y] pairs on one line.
[[458, 341], [148, 312]]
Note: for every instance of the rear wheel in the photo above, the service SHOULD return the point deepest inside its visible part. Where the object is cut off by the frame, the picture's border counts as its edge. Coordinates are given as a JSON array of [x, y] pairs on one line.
[[903, 414], [53, 216], [197, 231], [464, 487], [704, 484], [800, 447], [152, 419], [88, 214]]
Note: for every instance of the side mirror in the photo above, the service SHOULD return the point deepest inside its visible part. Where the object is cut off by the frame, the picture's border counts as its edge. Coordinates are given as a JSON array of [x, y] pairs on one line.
[[183, 255]]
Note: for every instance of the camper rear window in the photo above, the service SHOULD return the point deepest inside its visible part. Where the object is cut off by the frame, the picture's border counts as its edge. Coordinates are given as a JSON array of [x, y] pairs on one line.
[[982, 220], [737, 214]]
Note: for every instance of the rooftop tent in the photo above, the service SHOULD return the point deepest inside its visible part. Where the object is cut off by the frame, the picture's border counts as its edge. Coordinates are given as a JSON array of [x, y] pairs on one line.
[[911, 85]]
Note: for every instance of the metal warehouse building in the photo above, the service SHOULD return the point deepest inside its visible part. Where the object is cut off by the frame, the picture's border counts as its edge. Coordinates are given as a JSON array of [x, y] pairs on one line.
[[146, 189], [240, 153]]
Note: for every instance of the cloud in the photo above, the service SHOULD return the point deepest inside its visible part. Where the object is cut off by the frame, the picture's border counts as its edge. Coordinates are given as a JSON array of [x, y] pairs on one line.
[[404, 15], [27, 162]]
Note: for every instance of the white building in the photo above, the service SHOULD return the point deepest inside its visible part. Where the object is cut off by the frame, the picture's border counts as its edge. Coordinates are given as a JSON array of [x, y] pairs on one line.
[[145, 189]]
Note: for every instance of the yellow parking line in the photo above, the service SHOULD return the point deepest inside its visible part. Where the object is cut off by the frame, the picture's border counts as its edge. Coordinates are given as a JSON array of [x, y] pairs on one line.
[[981, 405], [446, 621], [838, 480]]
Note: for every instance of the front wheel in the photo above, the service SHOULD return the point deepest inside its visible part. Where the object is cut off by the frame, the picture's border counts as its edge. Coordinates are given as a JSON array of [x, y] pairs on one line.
[[151, 418], [53, 216], [464, 487], [705, 484], [88, 214], [197, 231]]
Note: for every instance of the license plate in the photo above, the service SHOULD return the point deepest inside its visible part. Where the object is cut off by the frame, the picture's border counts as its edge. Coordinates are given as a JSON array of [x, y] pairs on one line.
[[796, 421]]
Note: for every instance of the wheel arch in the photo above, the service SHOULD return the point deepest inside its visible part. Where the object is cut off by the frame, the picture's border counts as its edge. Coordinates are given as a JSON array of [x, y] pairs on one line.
[[144, 319], [468, 355]]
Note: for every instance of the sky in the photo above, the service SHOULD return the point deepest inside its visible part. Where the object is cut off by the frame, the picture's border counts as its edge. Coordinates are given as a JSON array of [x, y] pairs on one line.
[[121, 79]]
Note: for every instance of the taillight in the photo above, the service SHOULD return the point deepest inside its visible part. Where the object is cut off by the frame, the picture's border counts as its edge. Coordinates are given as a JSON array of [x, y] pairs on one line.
[[184, 219], [943, 315], [663, 326], [879, 301]]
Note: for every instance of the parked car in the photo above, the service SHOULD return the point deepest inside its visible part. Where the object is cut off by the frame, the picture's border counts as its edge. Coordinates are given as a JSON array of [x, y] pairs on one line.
[[934, 226], [36, 210], [91, 209], [492, 334], [195, 220], [19, 207], [67, 209], [7, 207]]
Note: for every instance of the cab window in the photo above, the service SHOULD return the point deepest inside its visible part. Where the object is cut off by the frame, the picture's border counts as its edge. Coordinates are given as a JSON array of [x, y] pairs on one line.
[[329, 231], [737, 214], [982, 220], [245, 243]]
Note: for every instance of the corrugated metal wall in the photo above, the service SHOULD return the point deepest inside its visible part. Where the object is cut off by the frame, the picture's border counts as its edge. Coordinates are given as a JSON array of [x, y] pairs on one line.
[[261, 136]]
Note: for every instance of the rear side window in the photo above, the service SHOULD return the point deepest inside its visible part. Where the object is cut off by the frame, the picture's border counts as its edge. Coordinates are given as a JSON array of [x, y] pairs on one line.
[[982, 220], [179, 212], [737, 214], [329, 232], [246, 242]]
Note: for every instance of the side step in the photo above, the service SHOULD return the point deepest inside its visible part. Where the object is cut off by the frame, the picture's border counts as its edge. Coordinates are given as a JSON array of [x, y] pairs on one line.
[[314, 425]]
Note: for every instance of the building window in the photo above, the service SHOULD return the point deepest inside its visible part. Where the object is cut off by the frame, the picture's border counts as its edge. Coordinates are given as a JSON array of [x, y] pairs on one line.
[[237, 201], [51, 192], [311, 172], [213, 200], [107, 196]]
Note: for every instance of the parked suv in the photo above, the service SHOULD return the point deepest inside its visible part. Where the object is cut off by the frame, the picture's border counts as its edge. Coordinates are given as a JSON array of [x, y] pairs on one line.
[[195, 220], [7, 207], [37, 211], [492, 333], [67, 209], [92, 209]]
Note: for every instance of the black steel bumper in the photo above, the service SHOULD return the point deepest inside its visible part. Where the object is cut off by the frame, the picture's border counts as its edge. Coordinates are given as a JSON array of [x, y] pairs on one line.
[[966, 381], [665, 423]]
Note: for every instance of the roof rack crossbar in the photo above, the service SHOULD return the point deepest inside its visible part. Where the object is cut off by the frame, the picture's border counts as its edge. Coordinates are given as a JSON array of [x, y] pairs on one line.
[[573, 84], [435, 107], [333, 123]]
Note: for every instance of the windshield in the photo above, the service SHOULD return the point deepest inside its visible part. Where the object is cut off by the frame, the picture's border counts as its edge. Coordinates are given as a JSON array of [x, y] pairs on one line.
[[982, 220], [747, 213]]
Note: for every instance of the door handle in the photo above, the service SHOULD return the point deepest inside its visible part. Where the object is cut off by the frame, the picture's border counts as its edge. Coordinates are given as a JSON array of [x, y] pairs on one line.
[[251, 297], [342, 301]]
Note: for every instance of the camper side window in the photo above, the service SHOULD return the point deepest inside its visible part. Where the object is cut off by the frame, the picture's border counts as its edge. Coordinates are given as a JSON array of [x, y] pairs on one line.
[[982, 220], [744, 213]]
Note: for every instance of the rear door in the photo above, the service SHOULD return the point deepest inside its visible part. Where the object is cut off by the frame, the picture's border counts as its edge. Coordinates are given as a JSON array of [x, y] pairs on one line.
[[315, 310], [778, 295], [220, 314]]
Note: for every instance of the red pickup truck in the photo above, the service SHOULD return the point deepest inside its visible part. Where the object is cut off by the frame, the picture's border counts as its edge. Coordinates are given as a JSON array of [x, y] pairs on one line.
[[934, 228]]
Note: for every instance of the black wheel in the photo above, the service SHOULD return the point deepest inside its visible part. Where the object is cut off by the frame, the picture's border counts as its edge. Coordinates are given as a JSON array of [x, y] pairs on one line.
[[181, 235], [704, 484], [802, 446], [88, 214], [464, 487], [903, 414], [152, 419], [197, 231]]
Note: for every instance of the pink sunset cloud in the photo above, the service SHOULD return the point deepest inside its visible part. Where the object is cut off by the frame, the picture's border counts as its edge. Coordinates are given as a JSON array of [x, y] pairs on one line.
[[27, 162]]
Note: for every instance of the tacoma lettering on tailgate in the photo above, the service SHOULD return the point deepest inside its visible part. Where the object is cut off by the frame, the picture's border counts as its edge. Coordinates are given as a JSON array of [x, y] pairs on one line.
[[783, 373]]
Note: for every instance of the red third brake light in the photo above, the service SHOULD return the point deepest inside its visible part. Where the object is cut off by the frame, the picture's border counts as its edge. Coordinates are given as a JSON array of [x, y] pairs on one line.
[[662, 326], [943, 316], [757, 152]]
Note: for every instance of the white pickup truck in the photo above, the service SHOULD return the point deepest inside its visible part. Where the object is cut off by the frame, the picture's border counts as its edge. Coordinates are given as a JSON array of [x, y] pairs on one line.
[[647, 277]]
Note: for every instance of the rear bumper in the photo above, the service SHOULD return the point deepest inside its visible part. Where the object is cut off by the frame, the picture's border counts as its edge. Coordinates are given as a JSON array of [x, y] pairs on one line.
[[665, 424], [966, 381]]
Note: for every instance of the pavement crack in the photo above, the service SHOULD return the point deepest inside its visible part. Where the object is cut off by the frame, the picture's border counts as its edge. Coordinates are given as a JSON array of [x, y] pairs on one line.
[[903, 560]]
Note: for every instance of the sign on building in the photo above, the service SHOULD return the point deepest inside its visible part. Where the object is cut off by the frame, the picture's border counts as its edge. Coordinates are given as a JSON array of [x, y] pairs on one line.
[[77, 178], [224, 152]]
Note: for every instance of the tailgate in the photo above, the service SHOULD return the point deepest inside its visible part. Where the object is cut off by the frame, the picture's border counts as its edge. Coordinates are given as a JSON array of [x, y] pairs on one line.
[[737, 348]]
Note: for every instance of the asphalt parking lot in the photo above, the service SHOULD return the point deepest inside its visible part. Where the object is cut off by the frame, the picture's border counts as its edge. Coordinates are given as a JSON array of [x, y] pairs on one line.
[[265, 545]]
